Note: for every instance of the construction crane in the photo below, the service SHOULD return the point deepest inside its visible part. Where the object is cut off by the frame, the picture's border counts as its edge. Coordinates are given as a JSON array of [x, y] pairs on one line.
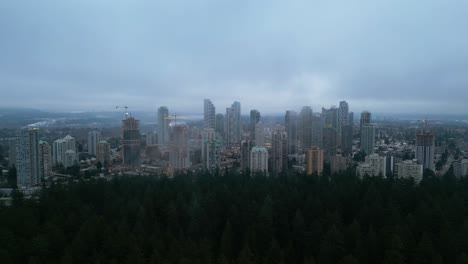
[[170, 118], [126, 110]]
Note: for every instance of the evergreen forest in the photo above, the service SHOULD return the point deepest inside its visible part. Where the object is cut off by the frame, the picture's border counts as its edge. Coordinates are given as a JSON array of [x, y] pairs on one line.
[[231, 217]]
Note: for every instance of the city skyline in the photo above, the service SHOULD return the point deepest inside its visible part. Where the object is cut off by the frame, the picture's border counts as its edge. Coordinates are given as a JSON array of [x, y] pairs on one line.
[[386, 56]]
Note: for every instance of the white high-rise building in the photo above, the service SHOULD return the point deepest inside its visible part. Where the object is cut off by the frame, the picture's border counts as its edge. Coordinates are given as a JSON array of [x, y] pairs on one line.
[[425, 149], [259, 160], [410, 169], [60, 147], [58, 151], [233, 124], [70, 142], [27, 158], [163, 125], [93, 139], [259, 135], [368, 139], [343, 114], [209, 113]]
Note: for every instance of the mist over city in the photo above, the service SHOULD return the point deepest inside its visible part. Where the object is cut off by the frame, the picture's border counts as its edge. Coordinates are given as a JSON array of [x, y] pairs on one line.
[[384, 56]]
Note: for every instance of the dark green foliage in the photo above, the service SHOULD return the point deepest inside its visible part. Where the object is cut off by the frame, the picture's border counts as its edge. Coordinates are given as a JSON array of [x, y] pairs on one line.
[[99, 166], [12, 177], [238, 219]]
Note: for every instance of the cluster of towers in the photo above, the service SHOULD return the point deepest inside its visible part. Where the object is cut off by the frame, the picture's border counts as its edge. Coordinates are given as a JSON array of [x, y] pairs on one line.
[[311, 137], [35, 158], [320, 136]]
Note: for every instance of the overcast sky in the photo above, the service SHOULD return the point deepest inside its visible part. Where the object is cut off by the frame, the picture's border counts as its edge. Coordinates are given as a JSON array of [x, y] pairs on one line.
[[391, 56]]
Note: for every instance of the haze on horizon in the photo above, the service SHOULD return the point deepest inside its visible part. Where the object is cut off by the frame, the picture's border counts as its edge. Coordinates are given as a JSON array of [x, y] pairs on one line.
[[385, 56]]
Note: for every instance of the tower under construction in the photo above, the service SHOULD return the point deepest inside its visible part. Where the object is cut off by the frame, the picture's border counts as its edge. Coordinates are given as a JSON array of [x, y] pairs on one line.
[[130, 141]]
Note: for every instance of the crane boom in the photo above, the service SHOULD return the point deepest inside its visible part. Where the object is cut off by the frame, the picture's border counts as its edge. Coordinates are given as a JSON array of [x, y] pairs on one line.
[[126, 109]]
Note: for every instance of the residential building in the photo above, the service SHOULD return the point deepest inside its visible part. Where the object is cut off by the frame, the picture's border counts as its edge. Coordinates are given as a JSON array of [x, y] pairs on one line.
[[279, 151], [163, 125], [219, 127], [211, 153], [233, 124], [305, 128], [209, 114], [259, 135], [314, 161], [374, 165], [151, 138], [291, 123], [70, 158], [317, 131], [347, 139], [103, 152], [329, 142], [409, 169], [365, 119], [245, 148], [93, 139], [27, 158], [60, 148], [425, 149], [368, 138], [351, 119], [45, 159], [254, 120], [337, 163], [460, 168], [11, 152], [343, 114], [259, 160]]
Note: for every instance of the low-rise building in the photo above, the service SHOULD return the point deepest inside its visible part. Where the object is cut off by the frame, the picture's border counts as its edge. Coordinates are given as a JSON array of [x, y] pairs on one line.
[[374, 165], [409, 169], [460, 168]]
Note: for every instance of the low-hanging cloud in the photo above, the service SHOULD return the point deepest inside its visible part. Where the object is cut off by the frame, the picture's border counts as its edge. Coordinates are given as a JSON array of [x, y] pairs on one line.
[[270, 55]]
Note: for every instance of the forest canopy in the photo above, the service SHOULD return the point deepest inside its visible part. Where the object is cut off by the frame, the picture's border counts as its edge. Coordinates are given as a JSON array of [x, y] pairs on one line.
[[235, 218]]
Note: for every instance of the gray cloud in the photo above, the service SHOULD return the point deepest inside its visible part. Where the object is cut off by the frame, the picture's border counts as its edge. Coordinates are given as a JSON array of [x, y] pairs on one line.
[[388, 56]]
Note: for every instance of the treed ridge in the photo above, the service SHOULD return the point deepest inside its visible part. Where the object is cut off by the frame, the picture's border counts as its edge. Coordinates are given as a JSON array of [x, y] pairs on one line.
[[236, 218]]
